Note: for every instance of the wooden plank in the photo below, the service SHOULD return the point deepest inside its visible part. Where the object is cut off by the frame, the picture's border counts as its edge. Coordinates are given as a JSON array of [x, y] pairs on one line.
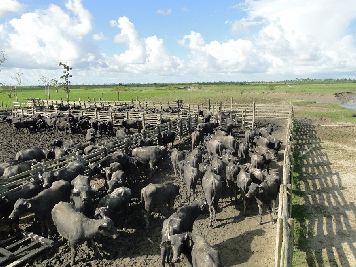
[[25, 239], [5, 252], [29, 255]]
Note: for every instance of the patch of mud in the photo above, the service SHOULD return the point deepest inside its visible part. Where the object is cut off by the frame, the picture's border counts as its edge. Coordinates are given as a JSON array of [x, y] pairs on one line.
[[240, 239], [347, 99]]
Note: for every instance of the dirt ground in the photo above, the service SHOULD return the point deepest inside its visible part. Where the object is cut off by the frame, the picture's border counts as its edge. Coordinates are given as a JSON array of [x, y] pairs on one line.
[[240, 240], [329, 183]]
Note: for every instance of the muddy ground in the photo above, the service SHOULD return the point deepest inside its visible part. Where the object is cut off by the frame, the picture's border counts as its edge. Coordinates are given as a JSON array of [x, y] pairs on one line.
[[240, 239]]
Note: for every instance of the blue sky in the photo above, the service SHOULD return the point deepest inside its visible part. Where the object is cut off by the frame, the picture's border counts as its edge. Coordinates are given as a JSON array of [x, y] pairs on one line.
[[173, 41]]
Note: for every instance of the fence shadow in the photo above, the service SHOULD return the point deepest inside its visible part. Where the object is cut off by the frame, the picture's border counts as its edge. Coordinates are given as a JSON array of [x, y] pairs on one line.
[[327, 226]]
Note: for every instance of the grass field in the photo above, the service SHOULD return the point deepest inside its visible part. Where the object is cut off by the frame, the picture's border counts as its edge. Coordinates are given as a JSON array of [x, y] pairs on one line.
[[277, 92], [313, 100]]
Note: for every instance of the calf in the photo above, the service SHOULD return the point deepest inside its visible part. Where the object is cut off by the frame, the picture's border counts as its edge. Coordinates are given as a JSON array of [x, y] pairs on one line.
[[75, 227], [158, 195], [265, 194], [212, 187], [42, 204]]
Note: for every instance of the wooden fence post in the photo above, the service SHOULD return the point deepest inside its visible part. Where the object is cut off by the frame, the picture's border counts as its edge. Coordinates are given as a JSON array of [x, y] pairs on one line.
[[209, 104], [231, 101], [143, 121], [253, 114], [96, 114]]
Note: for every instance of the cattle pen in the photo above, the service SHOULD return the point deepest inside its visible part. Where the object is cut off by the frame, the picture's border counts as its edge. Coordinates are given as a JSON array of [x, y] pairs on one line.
[[184, 121]]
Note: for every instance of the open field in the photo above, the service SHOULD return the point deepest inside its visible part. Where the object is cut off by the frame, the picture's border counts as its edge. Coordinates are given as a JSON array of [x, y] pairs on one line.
[[312, 100]]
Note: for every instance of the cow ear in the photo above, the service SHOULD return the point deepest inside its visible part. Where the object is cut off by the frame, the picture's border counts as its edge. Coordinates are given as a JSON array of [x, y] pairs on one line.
[[260, 189]]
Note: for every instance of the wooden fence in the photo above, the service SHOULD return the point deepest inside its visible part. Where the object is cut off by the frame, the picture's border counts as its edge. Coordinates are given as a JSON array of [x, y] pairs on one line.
[[285, 223], [247, 113]]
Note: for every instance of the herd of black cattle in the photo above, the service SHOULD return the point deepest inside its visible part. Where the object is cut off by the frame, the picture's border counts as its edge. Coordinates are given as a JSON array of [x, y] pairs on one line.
[[67, 200]]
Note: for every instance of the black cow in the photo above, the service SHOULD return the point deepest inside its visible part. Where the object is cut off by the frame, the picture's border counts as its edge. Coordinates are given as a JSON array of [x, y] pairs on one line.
[[17, 168], [265, 194], [115, 205], [81, 194], [191, 176], [8, 200], [118, 178], [155, 196], [179, 222], [243, 182], [176, 157], [149, 154], [30, 154], [72, 170], [42, 204], [197, 138], [212, 187], [166, 137], [76, 227]]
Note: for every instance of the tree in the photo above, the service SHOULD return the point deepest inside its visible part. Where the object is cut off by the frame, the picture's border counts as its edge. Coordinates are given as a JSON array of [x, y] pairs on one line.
[[54, 83], [2, 57], [2, 60], [46, 82], [66, 75], [17, 77]]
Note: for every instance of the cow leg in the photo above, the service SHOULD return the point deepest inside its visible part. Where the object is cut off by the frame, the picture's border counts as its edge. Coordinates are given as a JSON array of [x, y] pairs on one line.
[[271, 206], [211, 214], [260, 212], [274, 207], [73, 253], [146, 216], [244, 201], [95, 248], [175, 169]]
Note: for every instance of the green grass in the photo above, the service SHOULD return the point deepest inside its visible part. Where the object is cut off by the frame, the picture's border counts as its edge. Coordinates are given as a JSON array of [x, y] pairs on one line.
[[325, 112], [304, 96]]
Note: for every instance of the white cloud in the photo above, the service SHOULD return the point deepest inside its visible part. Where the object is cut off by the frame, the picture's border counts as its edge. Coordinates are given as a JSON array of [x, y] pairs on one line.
[[8, 6], [42, 38], [164, 12], [141, 55], [99, 36], [296, 37]]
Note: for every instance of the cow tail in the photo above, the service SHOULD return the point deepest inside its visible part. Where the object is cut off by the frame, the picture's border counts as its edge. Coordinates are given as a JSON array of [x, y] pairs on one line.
[[213, 190], [142, 198]]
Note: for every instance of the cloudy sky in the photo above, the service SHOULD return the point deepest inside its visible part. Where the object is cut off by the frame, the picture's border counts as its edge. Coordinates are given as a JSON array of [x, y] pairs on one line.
[[116, 41]]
